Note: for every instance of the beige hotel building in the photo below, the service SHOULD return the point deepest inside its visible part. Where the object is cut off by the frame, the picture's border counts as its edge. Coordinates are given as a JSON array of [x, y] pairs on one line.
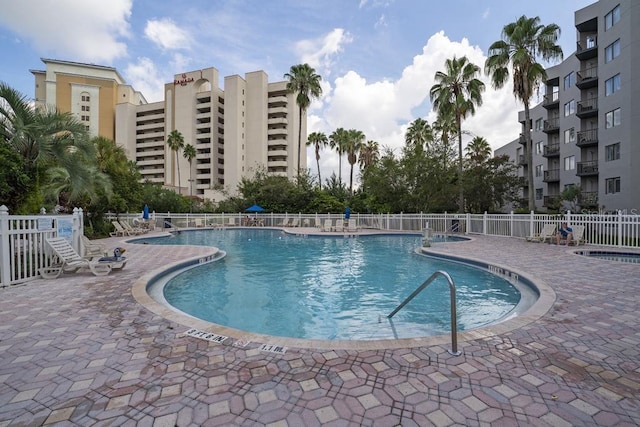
[[249, 124]]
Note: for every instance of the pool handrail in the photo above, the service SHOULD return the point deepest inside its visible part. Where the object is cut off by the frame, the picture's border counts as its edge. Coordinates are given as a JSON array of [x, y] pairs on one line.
[[452, 291]]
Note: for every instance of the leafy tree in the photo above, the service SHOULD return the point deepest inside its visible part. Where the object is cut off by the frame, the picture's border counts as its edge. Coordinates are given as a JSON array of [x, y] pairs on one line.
[[369, 154], [419, 133], [318, 140], [15, 183], [303, 80], [355, 139], [573, 195], [491, 184], [338, 142], [478, 150], [522, 43], [457, 91], [175, 142]]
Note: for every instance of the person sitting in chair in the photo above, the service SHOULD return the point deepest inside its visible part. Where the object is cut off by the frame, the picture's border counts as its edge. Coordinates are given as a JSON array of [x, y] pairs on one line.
[[564, 232]]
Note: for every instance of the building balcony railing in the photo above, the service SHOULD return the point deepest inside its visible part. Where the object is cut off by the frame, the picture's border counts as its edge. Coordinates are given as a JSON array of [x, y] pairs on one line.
[[552, 175], [588, 199], [587, 138], [587, 48], [551, 126], [587, 78], [587, 168], [551, 101], [587, 108], [550, 201], [522, 161], [552, 150]]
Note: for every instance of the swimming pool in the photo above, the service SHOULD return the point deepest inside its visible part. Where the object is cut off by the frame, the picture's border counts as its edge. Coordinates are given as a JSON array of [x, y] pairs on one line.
[[627, 257], [329, 288]]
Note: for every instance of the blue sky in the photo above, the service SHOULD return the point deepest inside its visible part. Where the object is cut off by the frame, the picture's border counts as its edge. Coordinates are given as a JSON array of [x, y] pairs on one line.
[[377, 57]]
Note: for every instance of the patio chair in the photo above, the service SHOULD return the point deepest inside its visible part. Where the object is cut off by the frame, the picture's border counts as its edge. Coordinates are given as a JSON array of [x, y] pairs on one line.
[[339, 227], [327, 225], [578, 235], [131, 230], [119, 230], [547, 234], [352, 225], [294, 222], [71, 261], [91, 249]]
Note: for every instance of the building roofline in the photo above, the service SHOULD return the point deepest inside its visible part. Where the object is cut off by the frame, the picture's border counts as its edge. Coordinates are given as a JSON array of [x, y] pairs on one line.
[[99, 67]]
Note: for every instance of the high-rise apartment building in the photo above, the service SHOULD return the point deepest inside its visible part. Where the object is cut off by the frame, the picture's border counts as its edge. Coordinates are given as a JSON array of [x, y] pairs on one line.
[[249, 125], [585, 132]]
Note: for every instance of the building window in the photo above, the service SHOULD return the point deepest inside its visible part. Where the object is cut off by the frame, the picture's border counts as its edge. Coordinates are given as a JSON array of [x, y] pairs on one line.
[[569, 135], [612, 185], [570, 163], [539, 170], [612, 152], [85, 98], [612, 18], [538, 193], [612, 85], [538, 124], [539, 147], [569, 80], [569, 108], [612, 118], [612, 51]]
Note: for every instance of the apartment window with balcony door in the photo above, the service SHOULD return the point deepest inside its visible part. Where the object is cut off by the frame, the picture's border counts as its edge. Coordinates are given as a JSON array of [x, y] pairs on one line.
[[539, 148], [612, 152], [612, 85], [612, 51], [612, 185], [612, 119], [569, 136], [538, 193], [569, 80], [538, 125], [569, 163], [539, 170], [612, 18], [569, 108]]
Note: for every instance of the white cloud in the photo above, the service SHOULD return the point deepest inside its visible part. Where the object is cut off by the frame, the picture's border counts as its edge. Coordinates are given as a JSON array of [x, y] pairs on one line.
[[167, 35], [80, 30], [144, 77], [320, 52], [384, 109]]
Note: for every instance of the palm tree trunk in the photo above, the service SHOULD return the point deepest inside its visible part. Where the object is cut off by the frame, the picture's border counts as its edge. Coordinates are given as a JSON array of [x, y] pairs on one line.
[[351, 180], [529, 154], [460, 183], [178, 167], [299, 138], [318, 164]]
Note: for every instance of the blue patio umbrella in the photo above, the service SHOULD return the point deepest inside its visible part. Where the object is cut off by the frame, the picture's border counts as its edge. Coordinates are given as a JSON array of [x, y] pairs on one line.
[[145, 212], [254, 208]]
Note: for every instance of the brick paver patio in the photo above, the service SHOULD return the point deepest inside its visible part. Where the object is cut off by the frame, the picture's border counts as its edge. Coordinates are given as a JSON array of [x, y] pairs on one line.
[[81, 350]]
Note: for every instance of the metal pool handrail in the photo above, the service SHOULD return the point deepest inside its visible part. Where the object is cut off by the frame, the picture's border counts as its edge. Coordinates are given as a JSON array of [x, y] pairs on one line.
[[452, 291]]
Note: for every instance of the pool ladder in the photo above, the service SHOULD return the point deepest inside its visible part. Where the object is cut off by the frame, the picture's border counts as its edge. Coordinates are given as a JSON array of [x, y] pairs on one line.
[[452, 291]]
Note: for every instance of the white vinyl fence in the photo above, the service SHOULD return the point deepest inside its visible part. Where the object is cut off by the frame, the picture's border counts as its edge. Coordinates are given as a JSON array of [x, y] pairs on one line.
[[23, 248]]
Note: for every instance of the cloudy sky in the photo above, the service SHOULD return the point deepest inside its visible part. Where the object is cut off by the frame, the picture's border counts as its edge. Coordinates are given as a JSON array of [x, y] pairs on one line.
[[377, 58]]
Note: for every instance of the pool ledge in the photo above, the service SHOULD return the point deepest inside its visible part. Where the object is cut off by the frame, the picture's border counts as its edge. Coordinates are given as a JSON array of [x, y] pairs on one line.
[[541, 306]]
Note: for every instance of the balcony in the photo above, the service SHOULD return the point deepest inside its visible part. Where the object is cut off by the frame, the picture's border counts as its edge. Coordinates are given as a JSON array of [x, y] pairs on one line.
[[587, 168], [552, 175], [548, 201], [588, 199], [587, 138], [522, 140], [551, 101], [551, 126], [521, 160], [587, 78], [552, 150], [588, 108], [587, 48]]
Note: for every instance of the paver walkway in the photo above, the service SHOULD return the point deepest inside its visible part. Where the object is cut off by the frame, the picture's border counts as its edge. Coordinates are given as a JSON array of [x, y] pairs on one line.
[[80, 350]]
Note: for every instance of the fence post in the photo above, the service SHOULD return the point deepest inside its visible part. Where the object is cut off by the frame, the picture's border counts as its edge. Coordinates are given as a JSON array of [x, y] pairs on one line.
[[511, 219], [620, 234], [531, 223], [484, 223], [4, 246]]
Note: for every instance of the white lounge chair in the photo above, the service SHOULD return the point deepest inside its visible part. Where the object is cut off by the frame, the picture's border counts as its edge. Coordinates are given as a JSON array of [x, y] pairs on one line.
[[119, 230], [547, 234], [339, 227], [578, 235], [327, 225], [71, 261], [91, 249], [294, 222], [352, 226]]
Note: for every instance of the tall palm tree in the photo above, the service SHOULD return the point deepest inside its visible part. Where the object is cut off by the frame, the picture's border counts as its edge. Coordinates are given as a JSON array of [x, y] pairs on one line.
[[457, 91], [478, 150], [522, 43], [175, 142], [189, 153], [338, 141], [318, 140], [303, 80], [355, 139], [418, 133], [369, 154]]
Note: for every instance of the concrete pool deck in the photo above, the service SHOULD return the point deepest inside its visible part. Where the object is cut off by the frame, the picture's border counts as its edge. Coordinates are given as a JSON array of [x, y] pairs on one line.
[[81, 350]]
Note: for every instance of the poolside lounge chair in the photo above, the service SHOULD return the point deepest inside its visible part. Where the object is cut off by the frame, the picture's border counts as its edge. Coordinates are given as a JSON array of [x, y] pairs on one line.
[[295, 222], [133, 231], [546, 234], [120, 231], [578, 235], [339, 227], [352, 225], [71, 261], [92, 249], [327, 225], [231, 222]]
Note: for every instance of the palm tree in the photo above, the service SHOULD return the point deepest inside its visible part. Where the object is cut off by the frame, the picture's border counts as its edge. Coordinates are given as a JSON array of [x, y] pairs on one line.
[[337, 141], [355, 139], [479, 150], [418, 133], [369, 154], [457, 91], [303, 80], [189, 153], [522, 43], [318, 140], [175, 142]]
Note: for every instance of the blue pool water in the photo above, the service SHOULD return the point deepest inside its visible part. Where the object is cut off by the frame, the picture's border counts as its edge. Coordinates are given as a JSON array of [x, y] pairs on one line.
[[330, 287], [628, 257]]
